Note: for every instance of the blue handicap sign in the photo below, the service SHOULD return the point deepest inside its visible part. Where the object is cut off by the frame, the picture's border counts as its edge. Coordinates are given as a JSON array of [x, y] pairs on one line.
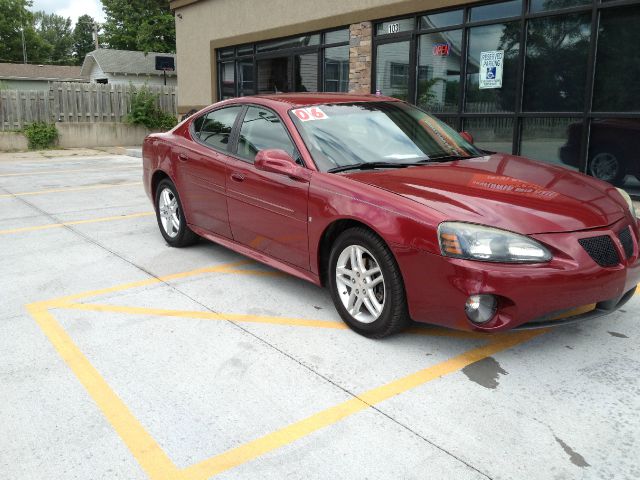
[[491, 73]]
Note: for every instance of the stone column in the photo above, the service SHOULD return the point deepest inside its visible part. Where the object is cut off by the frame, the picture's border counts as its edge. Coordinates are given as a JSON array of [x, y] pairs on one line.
[[360, 48]]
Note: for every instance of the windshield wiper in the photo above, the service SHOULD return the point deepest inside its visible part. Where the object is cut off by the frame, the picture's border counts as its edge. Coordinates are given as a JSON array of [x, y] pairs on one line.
[[446, 158], [369, 166]]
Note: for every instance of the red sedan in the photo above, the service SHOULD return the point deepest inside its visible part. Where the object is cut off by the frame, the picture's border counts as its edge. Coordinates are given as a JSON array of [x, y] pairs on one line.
[[397, 214]]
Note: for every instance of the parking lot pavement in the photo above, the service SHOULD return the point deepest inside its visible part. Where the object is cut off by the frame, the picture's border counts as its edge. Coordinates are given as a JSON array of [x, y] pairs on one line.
[[121, 358]]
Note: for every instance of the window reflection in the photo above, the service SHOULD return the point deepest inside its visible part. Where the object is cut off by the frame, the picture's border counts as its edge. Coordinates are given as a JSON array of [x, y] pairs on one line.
[[336, 69], [556, 63], [503, 36], [439, 71], [493, 134], [554, 140], [613, 152], [306, 72], [392, 70]]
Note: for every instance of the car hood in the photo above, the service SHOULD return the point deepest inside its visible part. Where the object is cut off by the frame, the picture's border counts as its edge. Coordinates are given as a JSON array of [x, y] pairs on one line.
[[504, 191]]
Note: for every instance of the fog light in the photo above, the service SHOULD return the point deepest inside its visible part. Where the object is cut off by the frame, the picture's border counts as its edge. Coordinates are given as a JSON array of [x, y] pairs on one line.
[[481, 308]]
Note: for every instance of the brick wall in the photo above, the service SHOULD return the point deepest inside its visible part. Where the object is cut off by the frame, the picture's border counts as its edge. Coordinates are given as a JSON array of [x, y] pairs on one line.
[[360, 57]]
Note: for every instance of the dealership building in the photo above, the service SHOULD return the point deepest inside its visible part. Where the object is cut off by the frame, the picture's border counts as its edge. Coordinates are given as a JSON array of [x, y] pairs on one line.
[[554, 80]]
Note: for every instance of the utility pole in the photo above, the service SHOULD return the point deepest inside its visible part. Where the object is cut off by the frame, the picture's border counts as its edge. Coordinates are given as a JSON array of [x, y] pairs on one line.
[[24, 46], [95, 34]]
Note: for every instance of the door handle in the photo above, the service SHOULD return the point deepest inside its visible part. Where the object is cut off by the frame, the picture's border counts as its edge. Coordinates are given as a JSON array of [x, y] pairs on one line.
[[238, 177], [182, 157]]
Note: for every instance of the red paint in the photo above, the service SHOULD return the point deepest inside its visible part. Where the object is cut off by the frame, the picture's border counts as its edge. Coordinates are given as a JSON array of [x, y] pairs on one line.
[[264, 214]]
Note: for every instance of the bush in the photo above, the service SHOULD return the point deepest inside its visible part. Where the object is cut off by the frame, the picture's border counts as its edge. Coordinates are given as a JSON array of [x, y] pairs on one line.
[[144, 111], [41, 135]]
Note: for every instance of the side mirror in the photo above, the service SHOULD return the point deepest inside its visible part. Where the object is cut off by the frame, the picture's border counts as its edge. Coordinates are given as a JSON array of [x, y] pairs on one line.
[[467, 136], [278, 161]]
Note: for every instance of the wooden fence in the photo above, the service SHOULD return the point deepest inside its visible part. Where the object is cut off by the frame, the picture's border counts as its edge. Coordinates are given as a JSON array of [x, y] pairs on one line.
[[75, 102]]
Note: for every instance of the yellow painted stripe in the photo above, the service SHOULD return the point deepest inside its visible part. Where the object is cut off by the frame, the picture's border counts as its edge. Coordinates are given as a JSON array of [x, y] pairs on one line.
[[236, 317], [75, 222], [69, 189], [222, 268], [295, 322], [71, 170], [272, 441], [141, 444]]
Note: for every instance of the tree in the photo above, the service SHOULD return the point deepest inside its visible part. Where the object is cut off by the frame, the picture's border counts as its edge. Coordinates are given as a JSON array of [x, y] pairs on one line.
[[83, 38], [15, 18], [143, 25], [55, 30]]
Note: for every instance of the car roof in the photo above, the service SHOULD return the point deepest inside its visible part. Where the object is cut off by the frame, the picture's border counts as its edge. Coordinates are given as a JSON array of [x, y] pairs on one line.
[[304, 99]]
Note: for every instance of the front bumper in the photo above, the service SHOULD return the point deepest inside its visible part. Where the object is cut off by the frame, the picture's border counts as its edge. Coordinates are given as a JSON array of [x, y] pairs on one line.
[[530, 296]]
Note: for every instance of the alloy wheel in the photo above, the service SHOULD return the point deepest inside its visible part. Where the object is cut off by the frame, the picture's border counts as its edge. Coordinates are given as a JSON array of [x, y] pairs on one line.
[[604, 166], [169, 212], [360, 284]]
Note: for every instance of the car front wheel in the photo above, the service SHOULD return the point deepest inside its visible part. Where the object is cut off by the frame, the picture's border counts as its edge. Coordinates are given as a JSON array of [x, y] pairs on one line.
[[366, 284], [170, 216], [606, 164]]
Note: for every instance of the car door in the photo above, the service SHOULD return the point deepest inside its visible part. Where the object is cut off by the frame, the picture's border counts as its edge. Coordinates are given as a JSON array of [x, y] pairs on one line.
[[202, 170], [267, 211]]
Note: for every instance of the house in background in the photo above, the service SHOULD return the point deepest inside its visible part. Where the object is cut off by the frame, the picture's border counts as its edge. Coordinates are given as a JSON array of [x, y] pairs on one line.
[[125, 67], [21, 76]]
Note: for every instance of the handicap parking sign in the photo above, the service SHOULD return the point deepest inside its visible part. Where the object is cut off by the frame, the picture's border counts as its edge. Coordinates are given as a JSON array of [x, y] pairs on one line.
[[491, 67]]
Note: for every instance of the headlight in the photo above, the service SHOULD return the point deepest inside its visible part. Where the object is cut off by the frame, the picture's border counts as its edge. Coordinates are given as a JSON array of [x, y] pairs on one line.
[[632, 207], [476, 242]]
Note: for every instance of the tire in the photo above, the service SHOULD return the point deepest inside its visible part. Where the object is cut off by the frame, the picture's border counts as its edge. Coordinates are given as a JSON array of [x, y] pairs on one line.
[[376, 311], [170, 216], [606, 164]]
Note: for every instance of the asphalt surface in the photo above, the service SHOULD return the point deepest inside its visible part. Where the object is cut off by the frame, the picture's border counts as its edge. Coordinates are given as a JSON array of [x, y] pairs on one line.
[[122, 358]]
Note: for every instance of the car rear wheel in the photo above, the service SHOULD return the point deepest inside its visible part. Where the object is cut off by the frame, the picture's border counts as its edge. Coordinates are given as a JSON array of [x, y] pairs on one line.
[[606, 164], [366, 284], [170, 216]]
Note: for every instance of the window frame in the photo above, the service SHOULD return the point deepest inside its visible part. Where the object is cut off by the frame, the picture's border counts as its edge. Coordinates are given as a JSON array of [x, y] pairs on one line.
[[195, 135], [233, 143]]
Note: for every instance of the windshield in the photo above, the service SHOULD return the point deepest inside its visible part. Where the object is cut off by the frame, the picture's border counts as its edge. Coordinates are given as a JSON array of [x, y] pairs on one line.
[[376, 132]]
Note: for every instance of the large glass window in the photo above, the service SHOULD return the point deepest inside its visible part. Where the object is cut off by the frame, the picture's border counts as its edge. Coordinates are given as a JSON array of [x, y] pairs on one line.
[[215, 127], [617, 84], [306, 72], [543, 5], [285, 65], [502, 37], [556, 63], [439, 71], [496, 10], [246, 75], [262, 129], [336, 69], [392, 70], [552, 139], [227, 80], [440, 20], [613, 151], [395, 26], [493, 134]]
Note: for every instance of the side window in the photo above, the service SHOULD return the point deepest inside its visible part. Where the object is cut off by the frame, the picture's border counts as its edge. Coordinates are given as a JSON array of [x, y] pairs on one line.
[[215, 127], [262, 129]]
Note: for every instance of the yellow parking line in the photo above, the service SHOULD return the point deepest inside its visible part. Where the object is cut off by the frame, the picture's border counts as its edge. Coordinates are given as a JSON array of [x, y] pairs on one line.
[[146, 450], [72, 170], [141, 444], [272, 441], [69, 189], [296, 322], [222, 268], [273, 320], [75, 222]]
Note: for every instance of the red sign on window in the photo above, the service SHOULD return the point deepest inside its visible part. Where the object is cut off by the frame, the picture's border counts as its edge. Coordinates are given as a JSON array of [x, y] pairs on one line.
[[441, 50]]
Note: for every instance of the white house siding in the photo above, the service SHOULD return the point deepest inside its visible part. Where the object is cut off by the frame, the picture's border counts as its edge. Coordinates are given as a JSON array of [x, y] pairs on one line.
[[96, 73]]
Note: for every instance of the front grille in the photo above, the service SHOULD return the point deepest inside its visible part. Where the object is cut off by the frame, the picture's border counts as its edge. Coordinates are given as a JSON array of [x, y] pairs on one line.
[[627, 241], [602, 250]]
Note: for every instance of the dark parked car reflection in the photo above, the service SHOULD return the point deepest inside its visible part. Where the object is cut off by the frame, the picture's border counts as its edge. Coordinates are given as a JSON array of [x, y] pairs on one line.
[[612, 151]]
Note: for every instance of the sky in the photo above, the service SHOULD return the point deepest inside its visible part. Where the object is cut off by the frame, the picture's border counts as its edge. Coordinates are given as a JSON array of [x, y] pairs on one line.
[[71, 8]]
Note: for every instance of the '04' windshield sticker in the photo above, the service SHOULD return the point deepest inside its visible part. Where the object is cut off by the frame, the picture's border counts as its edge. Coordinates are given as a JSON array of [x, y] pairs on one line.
[[308, 114]]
